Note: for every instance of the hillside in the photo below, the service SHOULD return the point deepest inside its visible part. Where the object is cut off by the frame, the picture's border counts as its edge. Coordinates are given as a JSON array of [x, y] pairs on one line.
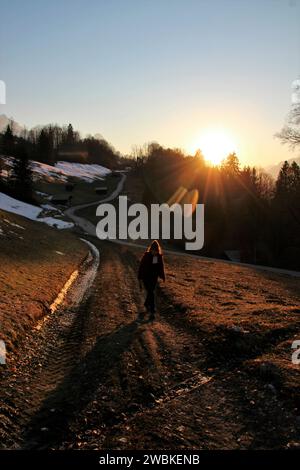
[[52, 182], [61, 171], [36, 261]]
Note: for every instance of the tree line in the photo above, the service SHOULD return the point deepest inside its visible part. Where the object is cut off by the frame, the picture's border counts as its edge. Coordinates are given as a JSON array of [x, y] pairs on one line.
[[245, 209], [50, 143]]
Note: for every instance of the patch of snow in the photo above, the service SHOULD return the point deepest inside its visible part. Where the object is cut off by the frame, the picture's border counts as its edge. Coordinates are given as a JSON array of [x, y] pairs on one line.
[[40, 193], [47, 171], [57, 223], [63, 170], [44, 195], [50, 208], [31, 212], [10, 204], [83, 171]]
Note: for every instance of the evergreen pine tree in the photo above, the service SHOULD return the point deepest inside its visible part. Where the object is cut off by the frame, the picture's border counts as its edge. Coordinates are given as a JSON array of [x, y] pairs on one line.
[[22, 175], [45, 147], [283, 182], [8, 141]]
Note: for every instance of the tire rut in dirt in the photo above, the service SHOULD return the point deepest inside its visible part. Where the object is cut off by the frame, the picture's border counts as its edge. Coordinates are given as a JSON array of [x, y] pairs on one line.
[[47, 356], [49, 385]]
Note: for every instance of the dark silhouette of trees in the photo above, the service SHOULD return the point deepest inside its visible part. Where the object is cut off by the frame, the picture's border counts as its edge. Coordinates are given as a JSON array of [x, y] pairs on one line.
[[8, 141], [100, 152], [287, 210], [199, 157], [283, 181], [70, 135], [231, 165], [45, 146], [51, 143], [288, 189], [21, 177], [244, 210]]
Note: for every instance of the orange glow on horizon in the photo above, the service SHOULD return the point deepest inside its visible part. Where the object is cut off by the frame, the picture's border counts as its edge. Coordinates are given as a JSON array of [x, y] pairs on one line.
[[215, 145]]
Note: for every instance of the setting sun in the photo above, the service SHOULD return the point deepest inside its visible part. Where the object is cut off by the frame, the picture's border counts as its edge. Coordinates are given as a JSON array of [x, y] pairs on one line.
[[215, 145]]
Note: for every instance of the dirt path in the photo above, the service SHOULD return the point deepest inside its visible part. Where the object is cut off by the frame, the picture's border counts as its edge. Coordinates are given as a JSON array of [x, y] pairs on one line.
[[83, 223]]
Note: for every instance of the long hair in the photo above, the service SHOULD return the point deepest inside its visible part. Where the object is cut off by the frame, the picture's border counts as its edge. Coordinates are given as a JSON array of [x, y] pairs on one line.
[[156, 246]]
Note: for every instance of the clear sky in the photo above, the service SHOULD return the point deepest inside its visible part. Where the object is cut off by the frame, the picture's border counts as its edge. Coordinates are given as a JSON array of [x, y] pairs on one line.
[[142, 70]]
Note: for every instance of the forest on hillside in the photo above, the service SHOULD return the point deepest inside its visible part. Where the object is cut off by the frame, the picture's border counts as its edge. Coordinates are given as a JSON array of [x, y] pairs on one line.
[[50, 143], [245, 209]]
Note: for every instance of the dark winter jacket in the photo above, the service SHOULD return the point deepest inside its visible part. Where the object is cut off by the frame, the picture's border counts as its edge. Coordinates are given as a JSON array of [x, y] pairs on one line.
[[148, 270]]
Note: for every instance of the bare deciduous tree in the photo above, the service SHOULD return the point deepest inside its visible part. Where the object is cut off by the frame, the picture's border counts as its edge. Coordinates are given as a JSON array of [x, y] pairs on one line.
[[290, 133]]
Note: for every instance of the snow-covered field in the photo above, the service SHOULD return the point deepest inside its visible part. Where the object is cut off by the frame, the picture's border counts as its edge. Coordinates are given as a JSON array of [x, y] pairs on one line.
[[82, 171], [31, 212], [63, 170]]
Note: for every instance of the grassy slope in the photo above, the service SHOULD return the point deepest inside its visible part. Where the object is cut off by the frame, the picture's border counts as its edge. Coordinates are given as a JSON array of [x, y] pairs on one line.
[[35, 264], [243, 315], [32, 269], [83, 192], [233, 323]]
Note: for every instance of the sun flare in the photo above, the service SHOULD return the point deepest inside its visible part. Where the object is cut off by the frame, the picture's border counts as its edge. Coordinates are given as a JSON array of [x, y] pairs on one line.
[[215, 145]]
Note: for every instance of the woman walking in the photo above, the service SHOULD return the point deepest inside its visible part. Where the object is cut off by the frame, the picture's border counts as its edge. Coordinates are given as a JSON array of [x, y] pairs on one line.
[[150, 269]]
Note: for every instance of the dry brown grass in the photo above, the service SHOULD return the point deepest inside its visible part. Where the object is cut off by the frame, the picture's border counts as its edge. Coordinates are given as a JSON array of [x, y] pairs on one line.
[[35, 261], [243, 315]]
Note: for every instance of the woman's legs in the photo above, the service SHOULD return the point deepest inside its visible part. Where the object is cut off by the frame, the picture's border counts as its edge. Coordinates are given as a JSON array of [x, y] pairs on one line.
[[150, 299]]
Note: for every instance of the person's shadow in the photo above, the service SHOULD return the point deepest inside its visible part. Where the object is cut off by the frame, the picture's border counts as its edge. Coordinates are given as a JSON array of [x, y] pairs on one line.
[[78, 388]]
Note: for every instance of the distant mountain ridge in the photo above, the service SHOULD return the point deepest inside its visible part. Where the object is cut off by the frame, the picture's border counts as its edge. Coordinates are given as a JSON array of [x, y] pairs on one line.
[[274, 170], [4, 121]]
